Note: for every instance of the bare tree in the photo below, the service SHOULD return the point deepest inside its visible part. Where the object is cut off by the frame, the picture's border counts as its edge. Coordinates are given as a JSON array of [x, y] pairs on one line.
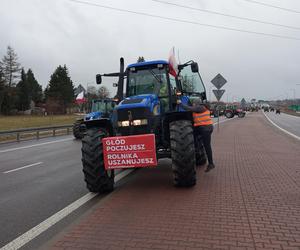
[[91, 93], [103, 92], [10, 67]]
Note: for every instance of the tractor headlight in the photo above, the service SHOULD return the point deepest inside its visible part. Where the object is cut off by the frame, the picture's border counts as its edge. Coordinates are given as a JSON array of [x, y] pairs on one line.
[[137, 122], [140, 122], [124, 123], [134, 123]]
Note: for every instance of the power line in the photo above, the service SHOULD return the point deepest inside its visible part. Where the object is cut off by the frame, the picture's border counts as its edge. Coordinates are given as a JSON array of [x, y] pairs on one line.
[[184, 21], [273, 6], [227, 15]]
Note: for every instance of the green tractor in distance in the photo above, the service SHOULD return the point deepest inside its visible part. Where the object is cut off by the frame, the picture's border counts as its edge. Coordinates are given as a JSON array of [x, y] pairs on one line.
[[100, 108], [232, 110], [148, 108]]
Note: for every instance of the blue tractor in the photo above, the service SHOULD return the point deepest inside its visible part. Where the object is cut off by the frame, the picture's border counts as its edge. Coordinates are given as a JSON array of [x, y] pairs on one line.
[[100, 108], [148, 107]]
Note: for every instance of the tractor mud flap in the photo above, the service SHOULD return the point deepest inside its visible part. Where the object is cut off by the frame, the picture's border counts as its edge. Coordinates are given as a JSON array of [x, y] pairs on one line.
[[134, 151]]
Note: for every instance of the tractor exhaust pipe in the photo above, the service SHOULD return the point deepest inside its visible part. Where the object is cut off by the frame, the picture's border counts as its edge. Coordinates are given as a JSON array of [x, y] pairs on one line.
[[121, 80]]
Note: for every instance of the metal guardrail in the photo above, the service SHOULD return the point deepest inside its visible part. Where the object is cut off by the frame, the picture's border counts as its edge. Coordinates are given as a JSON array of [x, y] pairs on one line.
[[36, 131]]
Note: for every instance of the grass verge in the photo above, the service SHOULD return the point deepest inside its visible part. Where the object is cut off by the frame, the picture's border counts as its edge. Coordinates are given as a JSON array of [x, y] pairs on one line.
[[18, 122]]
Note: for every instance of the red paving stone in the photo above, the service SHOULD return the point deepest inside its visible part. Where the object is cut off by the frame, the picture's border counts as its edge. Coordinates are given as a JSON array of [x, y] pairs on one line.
[[251, 200]]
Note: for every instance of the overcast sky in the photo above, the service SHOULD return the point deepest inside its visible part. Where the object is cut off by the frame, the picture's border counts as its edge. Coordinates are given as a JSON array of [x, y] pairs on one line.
[[91, 39]]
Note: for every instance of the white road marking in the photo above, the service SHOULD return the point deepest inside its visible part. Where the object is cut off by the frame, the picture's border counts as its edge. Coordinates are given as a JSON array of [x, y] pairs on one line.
[[27, 166], [285, 131], [35, 145], [46, 224]]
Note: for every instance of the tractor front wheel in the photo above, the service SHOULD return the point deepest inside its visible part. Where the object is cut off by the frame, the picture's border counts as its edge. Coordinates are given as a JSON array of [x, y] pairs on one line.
[[183, 153], [76, 130], [97, 179]]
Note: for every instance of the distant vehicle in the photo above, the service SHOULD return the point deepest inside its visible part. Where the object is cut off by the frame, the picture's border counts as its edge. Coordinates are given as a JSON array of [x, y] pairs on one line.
[[278, 111], [231, 111], [254, 109], [100, 108], [216, 111]]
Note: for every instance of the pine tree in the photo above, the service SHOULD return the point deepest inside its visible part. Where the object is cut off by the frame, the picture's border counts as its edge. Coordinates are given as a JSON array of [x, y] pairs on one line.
[[10, 67], [35, 89], [2, 88], [23, 92], [60, 88]]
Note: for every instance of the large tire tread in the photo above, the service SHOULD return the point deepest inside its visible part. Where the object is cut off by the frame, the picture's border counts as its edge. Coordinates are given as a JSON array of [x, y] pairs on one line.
[[183, 153], [96, 177], [76, 130]]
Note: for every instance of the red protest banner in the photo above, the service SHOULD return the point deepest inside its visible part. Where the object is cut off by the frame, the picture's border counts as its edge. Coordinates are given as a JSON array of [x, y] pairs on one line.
[[129, 151]]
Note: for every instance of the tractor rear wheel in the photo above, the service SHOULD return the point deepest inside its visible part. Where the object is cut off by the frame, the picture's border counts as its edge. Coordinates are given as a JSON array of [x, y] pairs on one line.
[[76, 130], [229, 114], [183, 153], [97, 179]]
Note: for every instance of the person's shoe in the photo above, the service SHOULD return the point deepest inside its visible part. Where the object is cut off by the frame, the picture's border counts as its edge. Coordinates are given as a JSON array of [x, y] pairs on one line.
[[209, 167]]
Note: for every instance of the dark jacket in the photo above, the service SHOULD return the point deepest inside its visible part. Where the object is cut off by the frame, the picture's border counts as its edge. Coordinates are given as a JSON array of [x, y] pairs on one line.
[[197, 108]]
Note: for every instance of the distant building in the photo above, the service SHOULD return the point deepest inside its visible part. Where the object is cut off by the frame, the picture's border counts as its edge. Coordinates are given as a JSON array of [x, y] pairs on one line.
[[79, 89]]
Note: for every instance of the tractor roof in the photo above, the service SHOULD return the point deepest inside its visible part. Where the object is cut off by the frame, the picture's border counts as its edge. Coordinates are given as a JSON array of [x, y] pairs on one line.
[[141, 64]]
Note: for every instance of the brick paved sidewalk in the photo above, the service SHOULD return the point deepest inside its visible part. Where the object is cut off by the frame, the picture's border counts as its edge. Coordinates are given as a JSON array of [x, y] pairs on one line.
[[250, 201]]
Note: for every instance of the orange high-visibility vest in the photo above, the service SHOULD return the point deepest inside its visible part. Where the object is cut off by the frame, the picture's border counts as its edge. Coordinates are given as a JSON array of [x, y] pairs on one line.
[[202, 119]]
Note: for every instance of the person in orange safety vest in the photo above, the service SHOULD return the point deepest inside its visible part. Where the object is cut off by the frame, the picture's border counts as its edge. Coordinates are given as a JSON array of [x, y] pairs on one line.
[[203, 127]]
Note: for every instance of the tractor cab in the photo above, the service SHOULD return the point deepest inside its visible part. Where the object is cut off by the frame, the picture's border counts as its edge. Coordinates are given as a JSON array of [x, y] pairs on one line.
[[154, 78], [151, 98]]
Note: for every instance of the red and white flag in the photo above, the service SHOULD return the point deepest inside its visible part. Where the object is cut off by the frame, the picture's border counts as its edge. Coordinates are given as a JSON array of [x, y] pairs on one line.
[[172, 63], [80, 98]]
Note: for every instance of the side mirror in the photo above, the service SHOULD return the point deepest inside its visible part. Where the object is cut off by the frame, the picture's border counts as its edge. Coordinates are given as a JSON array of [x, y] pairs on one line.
[[115, 84], [180, 67], [194, 67], [98, 79]]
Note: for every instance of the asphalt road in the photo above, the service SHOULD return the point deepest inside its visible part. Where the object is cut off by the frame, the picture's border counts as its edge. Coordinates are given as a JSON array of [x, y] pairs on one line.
[[37, 179], [288, 122], [32, 194]]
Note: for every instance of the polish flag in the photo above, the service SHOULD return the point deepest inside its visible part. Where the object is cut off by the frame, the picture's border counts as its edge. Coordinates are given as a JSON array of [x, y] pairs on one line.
[[172, 63], [80, 98]]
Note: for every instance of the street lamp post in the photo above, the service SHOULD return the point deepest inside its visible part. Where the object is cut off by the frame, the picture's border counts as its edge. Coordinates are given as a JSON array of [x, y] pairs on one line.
[[294, 90], [228, 98]]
